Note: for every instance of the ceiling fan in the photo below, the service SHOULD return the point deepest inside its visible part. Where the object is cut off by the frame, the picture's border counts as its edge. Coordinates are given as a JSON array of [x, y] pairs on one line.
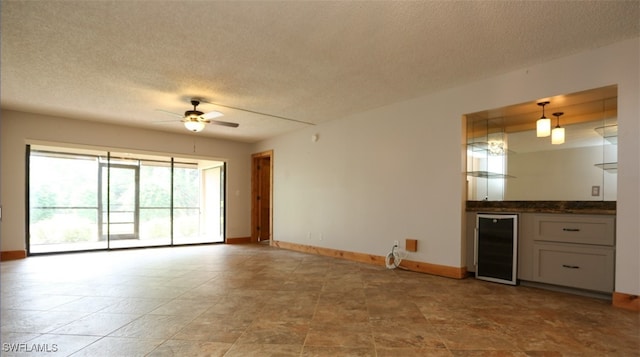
[[195, 120]]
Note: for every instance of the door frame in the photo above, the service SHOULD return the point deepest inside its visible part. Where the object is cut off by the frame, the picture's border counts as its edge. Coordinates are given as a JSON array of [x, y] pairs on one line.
[[255, 203]]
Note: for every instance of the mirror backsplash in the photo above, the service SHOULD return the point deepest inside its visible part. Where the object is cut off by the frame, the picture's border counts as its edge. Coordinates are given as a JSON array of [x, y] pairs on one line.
[[506, 161]]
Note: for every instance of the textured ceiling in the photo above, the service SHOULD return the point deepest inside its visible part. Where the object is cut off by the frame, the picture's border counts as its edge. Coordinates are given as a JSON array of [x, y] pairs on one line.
[[311, 61]]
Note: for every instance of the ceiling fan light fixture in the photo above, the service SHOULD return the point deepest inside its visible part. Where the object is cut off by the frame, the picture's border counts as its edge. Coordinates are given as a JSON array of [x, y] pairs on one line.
[[192, 118], [543, 125], [194, 125]]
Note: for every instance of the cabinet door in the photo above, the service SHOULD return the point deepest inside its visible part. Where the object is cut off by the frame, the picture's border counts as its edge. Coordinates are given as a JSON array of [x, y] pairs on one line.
[[598, 230], [578, 266]]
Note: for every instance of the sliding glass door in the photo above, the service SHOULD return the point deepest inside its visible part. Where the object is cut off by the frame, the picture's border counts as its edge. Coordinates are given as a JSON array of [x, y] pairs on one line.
[[64, 212], [197, 213], [88, 200], [213, 203], [155, 202], [119, 209], [139, 200]]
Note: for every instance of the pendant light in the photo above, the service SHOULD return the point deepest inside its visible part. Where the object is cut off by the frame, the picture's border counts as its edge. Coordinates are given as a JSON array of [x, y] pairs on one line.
[[557, 135], [543, 125]]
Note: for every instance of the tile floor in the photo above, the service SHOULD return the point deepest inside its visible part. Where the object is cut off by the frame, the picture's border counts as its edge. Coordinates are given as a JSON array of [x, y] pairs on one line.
[[254, 300]]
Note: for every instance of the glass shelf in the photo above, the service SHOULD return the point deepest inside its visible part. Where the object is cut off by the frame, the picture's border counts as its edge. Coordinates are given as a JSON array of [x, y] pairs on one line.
[[492, 148], [608, 166], [487, 174], [609, 133]]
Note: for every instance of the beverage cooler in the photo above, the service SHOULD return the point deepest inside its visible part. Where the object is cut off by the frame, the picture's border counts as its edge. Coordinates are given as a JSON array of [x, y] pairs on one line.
[[496, 247]]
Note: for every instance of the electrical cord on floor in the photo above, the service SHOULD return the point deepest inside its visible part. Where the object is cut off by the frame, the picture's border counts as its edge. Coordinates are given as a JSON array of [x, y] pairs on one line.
[[393, 259]]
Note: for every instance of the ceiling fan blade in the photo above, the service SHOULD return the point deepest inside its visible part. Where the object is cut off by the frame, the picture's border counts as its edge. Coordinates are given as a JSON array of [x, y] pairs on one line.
[[211, 115], [224, 123], [166, 121], [170, 113], [256, 112]]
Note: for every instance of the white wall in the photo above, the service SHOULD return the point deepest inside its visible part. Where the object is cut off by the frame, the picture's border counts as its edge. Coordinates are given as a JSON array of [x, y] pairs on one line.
[[397, 171], [18, 129]]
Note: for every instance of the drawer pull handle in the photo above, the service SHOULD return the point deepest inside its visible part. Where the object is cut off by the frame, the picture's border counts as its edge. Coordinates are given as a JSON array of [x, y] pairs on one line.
[[570, 266], [571, 229]]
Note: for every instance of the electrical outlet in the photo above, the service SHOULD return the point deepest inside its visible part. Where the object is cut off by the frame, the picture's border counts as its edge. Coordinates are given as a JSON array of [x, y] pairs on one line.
[[395, 243]]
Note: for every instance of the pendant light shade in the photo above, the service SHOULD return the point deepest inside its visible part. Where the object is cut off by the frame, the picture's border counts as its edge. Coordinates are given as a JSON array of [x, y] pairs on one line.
[[543, 125], [557, 135]]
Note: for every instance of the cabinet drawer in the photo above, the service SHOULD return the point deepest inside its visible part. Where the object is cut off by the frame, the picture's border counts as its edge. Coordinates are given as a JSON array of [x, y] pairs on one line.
[[578, 266], [598, 230]]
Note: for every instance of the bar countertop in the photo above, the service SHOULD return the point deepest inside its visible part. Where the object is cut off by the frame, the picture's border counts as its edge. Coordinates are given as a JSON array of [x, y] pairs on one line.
[[574, 207]]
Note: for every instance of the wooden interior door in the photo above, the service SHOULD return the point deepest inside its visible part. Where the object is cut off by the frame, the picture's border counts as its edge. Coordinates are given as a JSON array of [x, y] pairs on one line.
[[261, 201], [264, 197]]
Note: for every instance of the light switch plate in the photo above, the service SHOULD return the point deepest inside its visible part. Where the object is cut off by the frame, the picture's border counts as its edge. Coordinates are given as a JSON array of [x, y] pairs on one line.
[[595, 190]]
